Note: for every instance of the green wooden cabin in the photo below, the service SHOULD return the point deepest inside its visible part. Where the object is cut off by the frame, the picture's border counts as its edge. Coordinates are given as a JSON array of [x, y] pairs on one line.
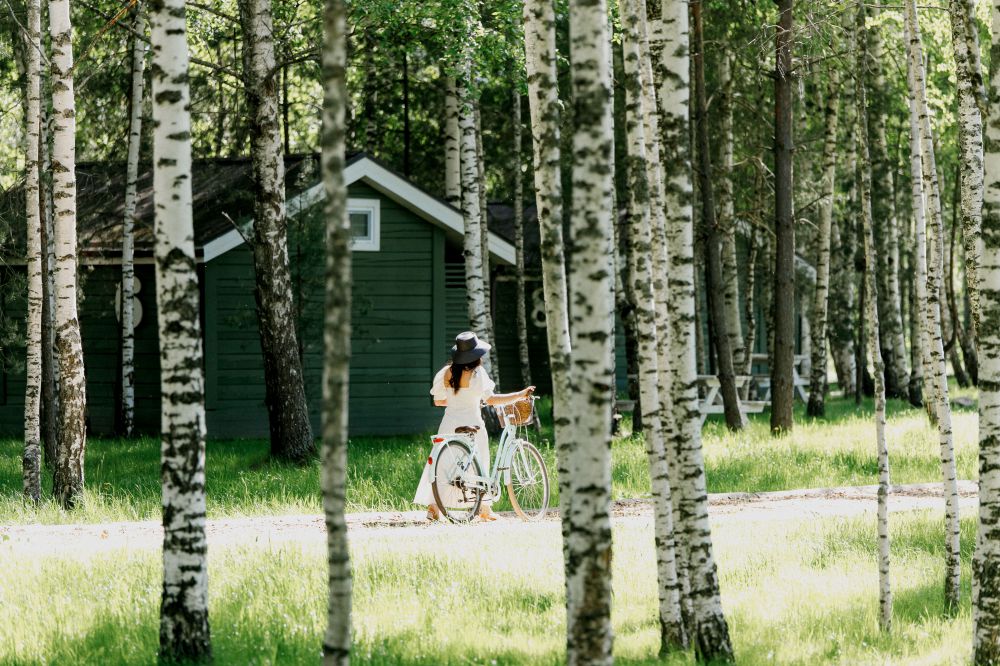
[[409, 297]]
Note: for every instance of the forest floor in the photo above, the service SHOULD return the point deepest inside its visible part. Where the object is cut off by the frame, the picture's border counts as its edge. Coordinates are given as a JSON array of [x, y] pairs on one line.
[[90, 539]]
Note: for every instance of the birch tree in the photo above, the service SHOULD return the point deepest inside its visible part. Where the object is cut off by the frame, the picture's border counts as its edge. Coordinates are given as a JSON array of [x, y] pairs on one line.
[[710, 632], [336, 336], [184, 629], [817, 380], [522, 314], [645, 258], [128, 222], [284, 390], [67, 482], [727, 216], [932, 305], [871, 306], [545, 110], [31, 464], [970, 140], [452, 145], [588, 569], [986, 563]]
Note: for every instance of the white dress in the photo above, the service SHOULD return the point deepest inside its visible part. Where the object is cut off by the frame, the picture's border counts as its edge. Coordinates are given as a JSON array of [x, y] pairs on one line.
[[463, 410]]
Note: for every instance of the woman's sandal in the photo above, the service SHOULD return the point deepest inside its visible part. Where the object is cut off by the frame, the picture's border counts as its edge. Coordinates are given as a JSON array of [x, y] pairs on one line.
[[487, 515], [433, 513]]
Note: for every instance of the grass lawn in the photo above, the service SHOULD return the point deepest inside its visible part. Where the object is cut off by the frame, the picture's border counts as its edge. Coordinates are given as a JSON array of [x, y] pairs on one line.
[[797, 592], [123, 476]]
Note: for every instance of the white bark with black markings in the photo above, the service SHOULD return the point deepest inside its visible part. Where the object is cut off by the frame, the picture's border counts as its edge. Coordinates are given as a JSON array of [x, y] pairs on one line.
[[184, 629], [67, 483], [128, 223], [336, 337]]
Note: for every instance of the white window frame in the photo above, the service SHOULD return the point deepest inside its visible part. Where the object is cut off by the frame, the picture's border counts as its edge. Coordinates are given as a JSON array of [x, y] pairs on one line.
[[371, 208]]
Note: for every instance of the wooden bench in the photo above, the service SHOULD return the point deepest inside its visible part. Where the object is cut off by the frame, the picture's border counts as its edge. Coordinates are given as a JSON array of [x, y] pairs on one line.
[[762, 383], [713, 403]]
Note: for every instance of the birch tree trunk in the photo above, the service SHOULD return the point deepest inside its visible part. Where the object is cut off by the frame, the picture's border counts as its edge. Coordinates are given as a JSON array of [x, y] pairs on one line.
[[128, 221], [522, 315], [452, 145], [871, 302], [887, 242], [709, 631], [184, 630], [645, 270], [50, 360], [336, 336], [31, 462], [588, 569], [67, 483], [471, 208], [970, 141], [727, 216], [932, 311], [986, 563], [715, 287], [546, 110], [285, 395], [782, 360], [817, 380], [484, 235]]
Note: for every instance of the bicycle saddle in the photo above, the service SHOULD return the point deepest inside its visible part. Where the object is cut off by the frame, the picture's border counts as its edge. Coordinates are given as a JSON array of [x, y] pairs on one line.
[[467, 430]]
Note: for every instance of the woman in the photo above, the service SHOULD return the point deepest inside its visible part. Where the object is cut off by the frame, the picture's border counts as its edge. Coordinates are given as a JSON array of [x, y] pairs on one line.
[[461, 387]]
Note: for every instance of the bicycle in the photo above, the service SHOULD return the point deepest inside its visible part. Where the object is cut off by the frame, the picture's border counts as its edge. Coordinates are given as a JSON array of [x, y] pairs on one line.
[[457, 479]]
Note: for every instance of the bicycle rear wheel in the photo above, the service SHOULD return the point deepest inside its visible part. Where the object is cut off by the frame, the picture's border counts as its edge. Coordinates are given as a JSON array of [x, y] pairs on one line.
[[453, 482], [528, 482]]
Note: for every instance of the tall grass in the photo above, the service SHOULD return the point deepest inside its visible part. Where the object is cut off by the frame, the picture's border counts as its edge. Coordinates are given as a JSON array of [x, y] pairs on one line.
[[795, 592], [123, 475]]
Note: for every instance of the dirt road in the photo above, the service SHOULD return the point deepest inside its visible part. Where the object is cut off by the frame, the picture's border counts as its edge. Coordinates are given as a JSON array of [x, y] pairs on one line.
[[87, 540]]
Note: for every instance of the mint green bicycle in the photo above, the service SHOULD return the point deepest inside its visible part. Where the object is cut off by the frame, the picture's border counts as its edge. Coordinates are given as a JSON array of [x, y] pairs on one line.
[[457, 479]]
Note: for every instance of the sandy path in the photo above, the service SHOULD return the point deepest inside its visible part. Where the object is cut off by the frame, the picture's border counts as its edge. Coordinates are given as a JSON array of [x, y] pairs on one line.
[[87, 540]]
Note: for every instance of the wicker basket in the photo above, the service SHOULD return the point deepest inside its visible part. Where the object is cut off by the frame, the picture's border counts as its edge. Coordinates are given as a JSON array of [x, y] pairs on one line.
[[518, 413]]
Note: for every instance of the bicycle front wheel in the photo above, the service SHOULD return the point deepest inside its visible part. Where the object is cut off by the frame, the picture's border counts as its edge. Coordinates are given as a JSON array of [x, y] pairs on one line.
[[528, 482], [454, 482]]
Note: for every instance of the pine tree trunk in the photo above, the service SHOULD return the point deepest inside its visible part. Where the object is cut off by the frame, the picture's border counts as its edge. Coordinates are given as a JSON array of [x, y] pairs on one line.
[[886, 236], [783, 304], [285, 395], [184, 630], [970, 141], [709, 630], [545, 111], [646, 256], [932, 309], [128, 221], [336, 337], [817, 380], [67, 484], [31, 462], [452, 145], [727, 217], [588, 569], [711, 239], [870, 300], [986, 563]]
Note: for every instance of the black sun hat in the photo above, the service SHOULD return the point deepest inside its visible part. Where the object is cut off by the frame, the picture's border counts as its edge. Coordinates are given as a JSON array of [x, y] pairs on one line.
[[467, 348]]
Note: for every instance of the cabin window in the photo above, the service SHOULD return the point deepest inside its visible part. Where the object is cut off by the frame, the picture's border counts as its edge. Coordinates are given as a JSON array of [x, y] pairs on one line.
[[364, 218]]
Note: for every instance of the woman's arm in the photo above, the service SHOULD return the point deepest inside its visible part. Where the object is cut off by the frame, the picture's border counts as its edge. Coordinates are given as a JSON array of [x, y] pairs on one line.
[[440, 403], [507, 398]]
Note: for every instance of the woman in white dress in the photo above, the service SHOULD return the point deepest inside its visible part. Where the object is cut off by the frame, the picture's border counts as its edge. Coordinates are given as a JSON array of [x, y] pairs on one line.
[[461, 387]]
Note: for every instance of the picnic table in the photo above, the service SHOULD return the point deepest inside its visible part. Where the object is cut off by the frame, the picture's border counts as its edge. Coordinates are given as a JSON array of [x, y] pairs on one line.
[[762, 382], [712, 403]]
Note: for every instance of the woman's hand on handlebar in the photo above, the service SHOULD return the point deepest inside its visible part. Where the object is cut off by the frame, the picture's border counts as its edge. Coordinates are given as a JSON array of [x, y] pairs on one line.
[[528, 391]]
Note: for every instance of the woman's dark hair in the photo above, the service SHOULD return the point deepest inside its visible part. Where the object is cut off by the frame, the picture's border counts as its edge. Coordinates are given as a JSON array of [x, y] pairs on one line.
[[456, 373]]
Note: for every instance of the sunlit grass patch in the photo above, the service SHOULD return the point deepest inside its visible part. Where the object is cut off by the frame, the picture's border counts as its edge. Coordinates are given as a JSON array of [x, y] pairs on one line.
[[795, 592]]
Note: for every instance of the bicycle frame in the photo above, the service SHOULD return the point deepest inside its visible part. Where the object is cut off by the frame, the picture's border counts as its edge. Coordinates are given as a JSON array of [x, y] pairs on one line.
[[501, 461]]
